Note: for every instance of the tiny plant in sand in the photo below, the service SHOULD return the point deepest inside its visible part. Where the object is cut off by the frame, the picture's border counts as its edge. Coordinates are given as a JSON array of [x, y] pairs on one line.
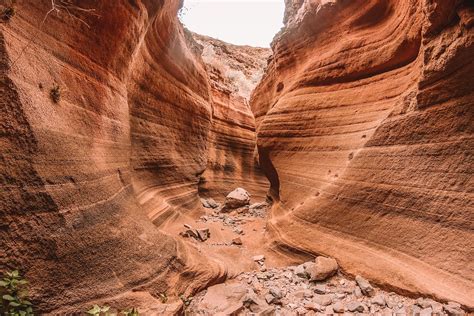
[[186, 300], [14, 295], [131, 312], [55, 93], [97, 310], [163, 298]]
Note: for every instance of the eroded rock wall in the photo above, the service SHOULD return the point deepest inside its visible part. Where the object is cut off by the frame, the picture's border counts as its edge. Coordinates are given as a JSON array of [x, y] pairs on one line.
[[83, 179], [233, 71], [365, 131]]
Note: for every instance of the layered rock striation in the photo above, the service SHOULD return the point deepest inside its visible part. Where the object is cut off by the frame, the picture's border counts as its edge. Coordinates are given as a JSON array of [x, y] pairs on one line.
[[107, 126], [364, 127], [233, 71]]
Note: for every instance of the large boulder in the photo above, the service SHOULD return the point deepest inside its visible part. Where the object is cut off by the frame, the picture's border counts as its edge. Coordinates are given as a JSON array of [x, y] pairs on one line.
[[237, 198], [323, 268]]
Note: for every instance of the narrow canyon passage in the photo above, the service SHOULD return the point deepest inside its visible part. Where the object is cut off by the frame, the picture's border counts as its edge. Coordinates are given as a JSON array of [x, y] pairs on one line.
[[123, 133]]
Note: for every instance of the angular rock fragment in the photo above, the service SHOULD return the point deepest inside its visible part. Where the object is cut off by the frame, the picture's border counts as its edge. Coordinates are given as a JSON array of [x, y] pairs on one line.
[[338, 307], [355, 306], [235, 199], [313, 307], [365, 286], [320, 289], [237, 241], [322, 269], [378, 300], [258, 258], [203, 234], [209, 203]]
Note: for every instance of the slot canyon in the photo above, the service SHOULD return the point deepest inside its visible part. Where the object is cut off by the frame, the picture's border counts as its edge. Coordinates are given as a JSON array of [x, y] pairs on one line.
[[127, 142]]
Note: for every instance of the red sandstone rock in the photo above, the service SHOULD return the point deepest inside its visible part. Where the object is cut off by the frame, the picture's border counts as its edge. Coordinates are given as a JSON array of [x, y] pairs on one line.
[[365, 131]]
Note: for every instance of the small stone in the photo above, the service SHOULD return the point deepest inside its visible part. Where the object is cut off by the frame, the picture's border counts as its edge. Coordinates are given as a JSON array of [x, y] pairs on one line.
[[338, 307], [378, 300], [358, 292], [270, 299], [237, 241], [329, 310], [415, 310], [324, 300], [258, 258], [437, 307], [301, 271], [322, 269], [453, 310], [203, 234], [189, 233], [340, 295], [355, 306], [292, 306], [320, 289], [239, 231], [209, 203], [365, 286], [188, 226], [313, 307], [426, 312], [276, 292]]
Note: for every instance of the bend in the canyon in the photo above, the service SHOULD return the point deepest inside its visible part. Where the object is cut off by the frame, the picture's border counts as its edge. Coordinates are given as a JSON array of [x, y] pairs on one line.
[[360, 131]]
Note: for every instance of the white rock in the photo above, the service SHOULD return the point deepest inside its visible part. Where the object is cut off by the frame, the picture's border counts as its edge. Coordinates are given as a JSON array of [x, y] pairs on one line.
[[237, 198]]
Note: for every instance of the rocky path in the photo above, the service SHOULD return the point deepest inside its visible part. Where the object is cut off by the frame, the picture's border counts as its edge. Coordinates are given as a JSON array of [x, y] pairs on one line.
[[289, 291], [311, 288]]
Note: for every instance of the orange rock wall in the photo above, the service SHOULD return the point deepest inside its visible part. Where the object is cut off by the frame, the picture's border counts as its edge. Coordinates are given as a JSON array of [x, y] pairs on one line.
[[365, 131], [83, 179], [233, 72]]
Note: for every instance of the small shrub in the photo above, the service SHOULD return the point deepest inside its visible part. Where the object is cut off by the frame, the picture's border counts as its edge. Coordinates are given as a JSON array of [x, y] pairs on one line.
[[7, 13], [186, 300], [14, 295], [97, 310], [131, 312], [55, 93], [163, 298]]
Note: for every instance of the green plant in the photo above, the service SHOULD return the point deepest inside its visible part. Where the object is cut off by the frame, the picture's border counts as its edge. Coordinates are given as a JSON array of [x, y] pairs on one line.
[[186, 300], [97, 310], [163, 297], [131, 312], [14, 295], [55, 93]]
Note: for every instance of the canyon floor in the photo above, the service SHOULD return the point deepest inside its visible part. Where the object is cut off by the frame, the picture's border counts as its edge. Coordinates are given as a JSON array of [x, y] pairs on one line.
[[263, 281], [124, 139]]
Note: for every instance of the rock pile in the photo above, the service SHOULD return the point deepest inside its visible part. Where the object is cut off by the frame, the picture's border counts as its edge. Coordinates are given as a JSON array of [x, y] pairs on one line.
[[198, 234], [312, 288]]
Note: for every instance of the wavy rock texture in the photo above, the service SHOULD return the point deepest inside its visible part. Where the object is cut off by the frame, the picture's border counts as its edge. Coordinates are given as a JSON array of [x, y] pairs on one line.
[[126, 143], [234, 71], [365, 132]]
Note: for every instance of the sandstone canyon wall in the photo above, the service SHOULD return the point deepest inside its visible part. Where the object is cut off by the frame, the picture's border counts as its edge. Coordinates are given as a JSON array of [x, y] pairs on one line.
[[365, 130], [234, 71], [84, 178]]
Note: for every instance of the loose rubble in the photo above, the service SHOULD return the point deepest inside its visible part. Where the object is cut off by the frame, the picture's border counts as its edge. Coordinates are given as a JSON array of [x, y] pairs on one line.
[[293, 291], [198, 234]]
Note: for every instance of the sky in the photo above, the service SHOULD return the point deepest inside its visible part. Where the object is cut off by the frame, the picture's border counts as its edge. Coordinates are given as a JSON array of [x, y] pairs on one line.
[[241, 22]]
